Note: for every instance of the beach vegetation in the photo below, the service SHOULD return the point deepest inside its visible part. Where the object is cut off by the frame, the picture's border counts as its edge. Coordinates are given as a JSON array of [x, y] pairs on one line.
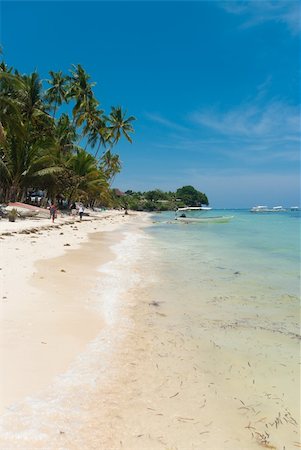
[[12, 215], [157, 200], [55, 137], [191, 197]]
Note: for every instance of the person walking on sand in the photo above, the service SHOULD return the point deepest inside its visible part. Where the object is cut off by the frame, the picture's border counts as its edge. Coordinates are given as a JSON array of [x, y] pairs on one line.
[[52, 211], [81, 212]]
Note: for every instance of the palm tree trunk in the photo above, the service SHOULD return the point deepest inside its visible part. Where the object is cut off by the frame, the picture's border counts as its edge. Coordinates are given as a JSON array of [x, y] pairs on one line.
[[12, 193], [24, 194]]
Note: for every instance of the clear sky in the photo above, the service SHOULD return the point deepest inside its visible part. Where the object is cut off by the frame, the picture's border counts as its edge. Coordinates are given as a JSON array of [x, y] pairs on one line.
[[215, 87]]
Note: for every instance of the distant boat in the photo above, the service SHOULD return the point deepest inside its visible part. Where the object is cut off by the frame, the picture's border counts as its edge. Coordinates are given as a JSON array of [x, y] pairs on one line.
[[278, 209], [195, 208], [259, 208], [295, 208], [199, 219], [208, 219], [263, 209]]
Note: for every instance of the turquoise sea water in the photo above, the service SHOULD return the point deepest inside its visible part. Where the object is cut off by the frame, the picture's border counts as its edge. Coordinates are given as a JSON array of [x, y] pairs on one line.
[[262, 248], [251, 264]]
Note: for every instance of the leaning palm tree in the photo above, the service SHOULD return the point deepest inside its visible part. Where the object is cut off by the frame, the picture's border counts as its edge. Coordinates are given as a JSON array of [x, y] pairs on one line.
[[79, 89], [98, 134], [110, 165], [88, 116], [119, 125]]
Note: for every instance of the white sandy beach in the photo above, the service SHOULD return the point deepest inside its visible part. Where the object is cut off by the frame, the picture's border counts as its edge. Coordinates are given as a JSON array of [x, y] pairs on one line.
[[45, 295], [92, 360]]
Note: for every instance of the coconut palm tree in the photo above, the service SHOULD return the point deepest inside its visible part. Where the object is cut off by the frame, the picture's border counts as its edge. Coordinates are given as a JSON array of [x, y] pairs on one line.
[[56, 94], [27, 130], [98, 134], [21, 165], [119, 125], [87, 118], [65, 135], [110, 165], [79, 89], [40, 150], [87, 179], [30, 97]]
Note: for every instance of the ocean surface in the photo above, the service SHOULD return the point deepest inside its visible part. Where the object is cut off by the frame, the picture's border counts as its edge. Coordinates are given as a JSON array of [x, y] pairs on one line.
[[262, 249], [253, 260]]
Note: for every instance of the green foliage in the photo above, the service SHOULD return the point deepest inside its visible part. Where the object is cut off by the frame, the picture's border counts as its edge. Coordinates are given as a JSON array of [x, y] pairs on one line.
[[156, 195], [44, 148], [191, 197], [157, 200], [12, 215]]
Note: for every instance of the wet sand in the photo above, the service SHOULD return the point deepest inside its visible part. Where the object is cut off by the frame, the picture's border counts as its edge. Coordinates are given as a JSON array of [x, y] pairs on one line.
[[48, 281]]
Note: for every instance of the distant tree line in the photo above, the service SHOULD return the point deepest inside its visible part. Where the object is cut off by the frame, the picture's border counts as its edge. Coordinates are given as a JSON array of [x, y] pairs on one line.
[[46, 130], [157, 200]]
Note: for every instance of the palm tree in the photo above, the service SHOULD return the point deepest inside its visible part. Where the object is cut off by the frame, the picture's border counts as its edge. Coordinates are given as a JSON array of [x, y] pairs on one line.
[[37, 150], [65, 136], [30, 97], [23, 165], [79, 89], [110, 165], [88, 117], [56, 94], [87, 179], [98, 134], [119, 125], [26, 130]]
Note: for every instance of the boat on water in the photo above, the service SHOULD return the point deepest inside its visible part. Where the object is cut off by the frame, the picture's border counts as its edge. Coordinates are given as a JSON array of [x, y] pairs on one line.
[[182, 215], [265, 209], [208, 219], [195, 208]]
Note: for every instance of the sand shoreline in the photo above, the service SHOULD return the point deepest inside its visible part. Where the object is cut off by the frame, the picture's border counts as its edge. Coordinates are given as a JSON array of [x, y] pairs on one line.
[[48, 273]]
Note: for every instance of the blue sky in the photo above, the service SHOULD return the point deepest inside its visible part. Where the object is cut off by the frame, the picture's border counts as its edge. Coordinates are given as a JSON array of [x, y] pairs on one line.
[[215, 87]]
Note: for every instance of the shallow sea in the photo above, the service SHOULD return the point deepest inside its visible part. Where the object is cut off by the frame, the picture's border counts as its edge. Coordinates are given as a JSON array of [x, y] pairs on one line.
[[264, 248], [236, 287]]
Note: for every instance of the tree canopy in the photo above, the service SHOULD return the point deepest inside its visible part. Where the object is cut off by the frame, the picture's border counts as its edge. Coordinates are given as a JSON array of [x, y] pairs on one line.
[[45, 131], [55, 137], [157, 200], [191, 197]]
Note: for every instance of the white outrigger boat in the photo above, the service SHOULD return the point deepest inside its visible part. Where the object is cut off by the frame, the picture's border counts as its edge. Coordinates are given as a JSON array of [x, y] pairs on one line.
[[197, 219], [195, 208], [264, 209]]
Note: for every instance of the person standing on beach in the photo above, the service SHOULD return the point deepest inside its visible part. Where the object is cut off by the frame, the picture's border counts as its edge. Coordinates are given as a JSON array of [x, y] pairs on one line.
[[73, 209], [52, 211], [81, 212]]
